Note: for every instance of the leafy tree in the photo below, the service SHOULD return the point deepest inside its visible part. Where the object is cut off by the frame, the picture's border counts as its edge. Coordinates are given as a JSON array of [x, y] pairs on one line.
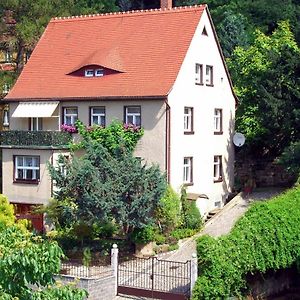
[[266, 77], [29, 260], [102, 186]]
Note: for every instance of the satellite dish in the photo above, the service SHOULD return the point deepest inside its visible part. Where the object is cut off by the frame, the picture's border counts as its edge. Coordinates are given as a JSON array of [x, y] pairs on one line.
[[239, 139]]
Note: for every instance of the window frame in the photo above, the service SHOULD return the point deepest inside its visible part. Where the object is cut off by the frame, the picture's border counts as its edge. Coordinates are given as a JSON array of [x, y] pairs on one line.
[[64, 115], [98, 115], [86, 73], [218, 168], [35, 124], [189, 166], [133, 115], [7, 56], [188, 119], [220, 118], [99, 74], [199, 74], [209, 76], [16, 168]]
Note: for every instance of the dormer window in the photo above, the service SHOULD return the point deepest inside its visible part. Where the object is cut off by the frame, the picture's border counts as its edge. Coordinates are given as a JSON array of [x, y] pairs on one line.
[[89, 73], [99, 72]]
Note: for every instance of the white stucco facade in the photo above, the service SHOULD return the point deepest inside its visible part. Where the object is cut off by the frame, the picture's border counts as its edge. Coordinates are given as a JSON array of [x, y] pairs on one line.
[[203, 145]]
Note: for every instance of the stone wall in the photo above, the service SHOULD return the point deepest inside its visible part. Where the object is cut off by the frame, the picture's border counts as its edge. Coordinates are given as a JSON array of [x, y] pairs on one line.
[[98, 288]]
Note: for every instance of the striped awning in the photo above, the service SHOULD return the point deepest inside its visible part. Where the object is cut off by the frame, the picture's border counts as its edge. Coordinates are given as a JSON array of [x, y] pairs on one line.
[[35, 109]]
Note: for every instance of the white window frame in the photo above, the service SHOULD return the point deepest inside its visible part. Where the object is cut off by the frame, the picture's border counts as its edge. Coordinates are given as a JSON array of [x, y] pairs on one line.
[[5, 117], [218, 176], [6, 88], [188, 119], [24, 164], [134, 115], [100, 116], [89, 73], [99, 72], [36, 124], [188, 170], [73, 116], [218, 116], [7, 56], [209, 75], [199, 74]]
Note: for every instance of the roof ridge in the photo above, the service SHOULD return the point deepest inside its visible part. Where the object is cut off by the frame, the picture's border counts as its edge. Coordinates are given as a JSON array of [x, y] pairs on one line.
[[129, 13]]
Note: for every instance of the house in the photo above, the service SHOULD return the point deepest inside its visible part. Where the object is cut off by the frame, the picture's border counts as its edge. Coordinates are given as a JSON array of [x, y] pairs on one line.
[[162, 69]]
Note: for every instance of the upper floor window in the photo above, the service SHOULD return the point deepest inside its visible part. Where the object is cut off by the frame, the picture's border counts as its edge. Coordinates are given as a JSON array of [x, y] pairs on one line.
[[35, 124], [27, 168], [5, 117], [209, 76], [7, 56], [6, 88], [218, 168], [218, 119], [199, 74], [99, 72], [133, 115], [89, 73], [188, 120], [70, 115], [97, 116], [188, 170]]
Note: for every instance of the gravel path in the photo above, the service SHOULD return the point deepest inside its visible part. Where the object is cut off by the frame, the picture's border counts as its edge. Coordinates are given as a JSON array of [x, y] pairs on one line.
[[219, 225]]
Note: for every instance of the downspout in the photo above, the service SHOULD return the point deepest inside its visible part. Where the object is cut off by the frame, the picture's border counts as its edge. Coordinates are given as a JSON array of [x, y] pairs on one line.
[[168, 141]]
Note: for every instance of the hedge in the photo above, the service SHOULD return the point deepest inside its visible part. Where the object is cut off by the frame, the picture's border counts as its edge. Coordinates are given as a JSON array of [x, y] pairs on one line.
[[266, 238]]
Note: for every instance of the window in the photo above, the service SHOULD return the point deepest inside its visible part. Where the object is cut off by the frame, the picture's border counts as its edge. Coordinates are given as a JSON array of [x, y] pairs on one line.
[[5, 117], [218, 168], [97, 116], [209, 76], [188, 120], [7, 57], [204, 31], [6, 88], [27, 168], [188, 170], [133, 115], [199, 74], [70, 115], [89, 73], [218, 116], [35, 124], [99, 72]]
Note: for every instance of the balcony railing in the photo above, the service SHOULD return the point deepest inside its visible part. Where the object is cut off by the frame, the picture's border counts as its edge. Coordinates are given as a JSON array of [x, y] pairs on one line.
[[35, 138]]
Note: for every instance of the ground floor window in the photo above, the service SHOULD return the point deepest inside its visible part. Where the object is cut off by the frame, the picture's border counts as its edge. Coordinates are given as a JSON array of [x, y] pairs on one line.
[[218, 168], [27, 168]]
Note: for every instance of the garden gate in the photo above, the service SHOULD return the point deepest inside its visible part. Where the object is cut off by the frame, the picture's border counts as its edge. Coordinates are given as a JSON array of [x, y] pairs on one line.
[[154, 278]]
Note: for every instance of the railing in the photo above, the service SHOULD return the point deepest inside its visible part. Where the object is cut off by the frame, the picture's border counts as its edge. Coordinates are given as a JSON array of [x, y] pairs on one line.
[[75, 268], [35, 138]]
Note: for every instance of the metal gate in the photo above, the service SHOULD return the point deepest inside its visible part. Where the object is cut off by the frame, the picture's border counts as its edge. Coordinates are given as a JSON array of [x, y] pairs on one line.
[[154, 278]]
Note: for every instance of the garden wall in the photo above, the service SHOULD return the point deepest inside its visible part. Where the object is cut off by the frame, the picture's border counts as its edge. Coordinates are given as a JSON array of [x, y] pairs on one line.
[[98, 288]]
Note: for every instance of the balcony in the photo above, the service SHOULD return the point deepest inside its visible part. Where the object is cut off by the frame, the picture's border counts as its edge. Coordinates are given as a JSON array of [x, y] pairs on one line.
[[36, 139]]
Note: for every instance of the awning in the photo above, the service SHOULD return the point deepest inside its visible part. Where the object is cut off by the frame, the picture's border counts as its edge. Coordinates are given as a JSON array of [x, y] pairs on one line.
[[35, 109]]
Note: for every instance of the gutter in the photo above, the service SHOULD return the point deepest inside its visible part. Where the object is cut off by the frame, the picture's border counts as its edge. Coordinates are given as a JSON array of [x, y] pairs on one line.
[[168, 141]]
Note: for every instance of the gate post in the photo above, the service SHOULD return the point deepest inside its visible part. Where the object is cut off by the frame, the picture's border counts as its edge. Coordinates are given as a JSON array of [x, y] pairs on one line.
[[114, 264], [194, 271]]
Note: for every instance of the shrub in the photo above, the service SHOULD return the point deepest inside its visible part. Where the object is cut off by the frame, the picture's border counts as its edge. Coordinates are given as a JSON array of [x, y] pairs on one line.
[[168, 213], [182, 233], [143, 235], [266, 238], [160, 239], [104, 230]]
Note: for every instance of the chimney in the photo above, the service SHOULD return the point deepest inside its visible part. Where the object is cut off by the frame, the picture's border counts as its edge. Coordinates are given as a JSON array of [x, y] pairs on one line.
[[165, 4]]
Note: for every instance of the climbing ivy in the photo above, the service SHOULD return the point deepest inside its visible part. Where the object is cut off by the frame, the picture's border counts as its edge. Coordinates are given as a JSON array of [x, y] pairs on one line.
[[266, 238]]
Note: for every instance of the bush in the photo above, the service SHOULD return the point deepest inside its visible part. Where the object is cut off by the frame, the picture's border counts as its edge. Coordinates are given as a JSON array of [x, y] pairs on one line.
[[160, 239], [193, 219], [104, 230], [143, 235], [266, 238], [168, 213], [182, 233]]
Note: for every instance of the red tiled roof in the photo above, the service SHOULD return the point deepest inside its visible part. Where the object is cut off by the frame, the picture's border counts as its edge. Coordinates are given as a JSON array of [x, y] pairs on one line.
[[147, 47]]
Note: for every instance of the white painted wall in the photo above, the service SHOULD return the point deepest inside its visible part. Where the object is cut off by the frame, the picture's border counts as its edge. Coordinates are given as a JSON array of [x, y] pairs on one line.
[[203, 144]]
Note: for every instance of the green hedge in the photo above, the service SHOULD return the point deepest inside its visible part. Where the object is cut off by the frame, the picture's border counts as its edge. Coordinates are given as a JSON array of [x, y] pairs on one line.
[[267, 237]]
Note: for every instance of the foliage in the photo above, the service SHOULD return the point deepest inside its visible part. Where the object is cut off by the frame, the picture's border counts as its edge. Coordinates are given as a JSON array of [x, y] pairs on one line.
[[87, 257], [113, 137], [290, 158], [7, 217], [104, 230], [266, 238], [100, 186], [182, 233], [143, 235], [191, 217], [267, 77], [28, 260], [168, 214]]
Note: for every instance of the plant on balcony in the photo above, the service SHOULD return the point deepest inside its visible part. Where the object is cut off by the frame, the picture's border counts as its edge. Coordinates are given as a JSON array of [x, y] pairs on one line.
[[68, 128]]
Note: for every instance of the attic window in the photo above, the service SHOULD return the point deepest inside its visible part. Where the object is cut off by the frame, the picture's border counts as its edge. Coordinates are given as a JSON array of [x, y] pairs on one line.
[[89, 73], [204, 32], [99, 72]]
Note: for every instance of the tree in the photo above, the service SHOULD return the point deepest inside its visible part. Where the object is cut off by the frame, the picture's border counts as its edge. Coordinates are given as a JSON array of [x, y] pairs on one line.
[[267, 77], [107, 183], [29, 260]]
